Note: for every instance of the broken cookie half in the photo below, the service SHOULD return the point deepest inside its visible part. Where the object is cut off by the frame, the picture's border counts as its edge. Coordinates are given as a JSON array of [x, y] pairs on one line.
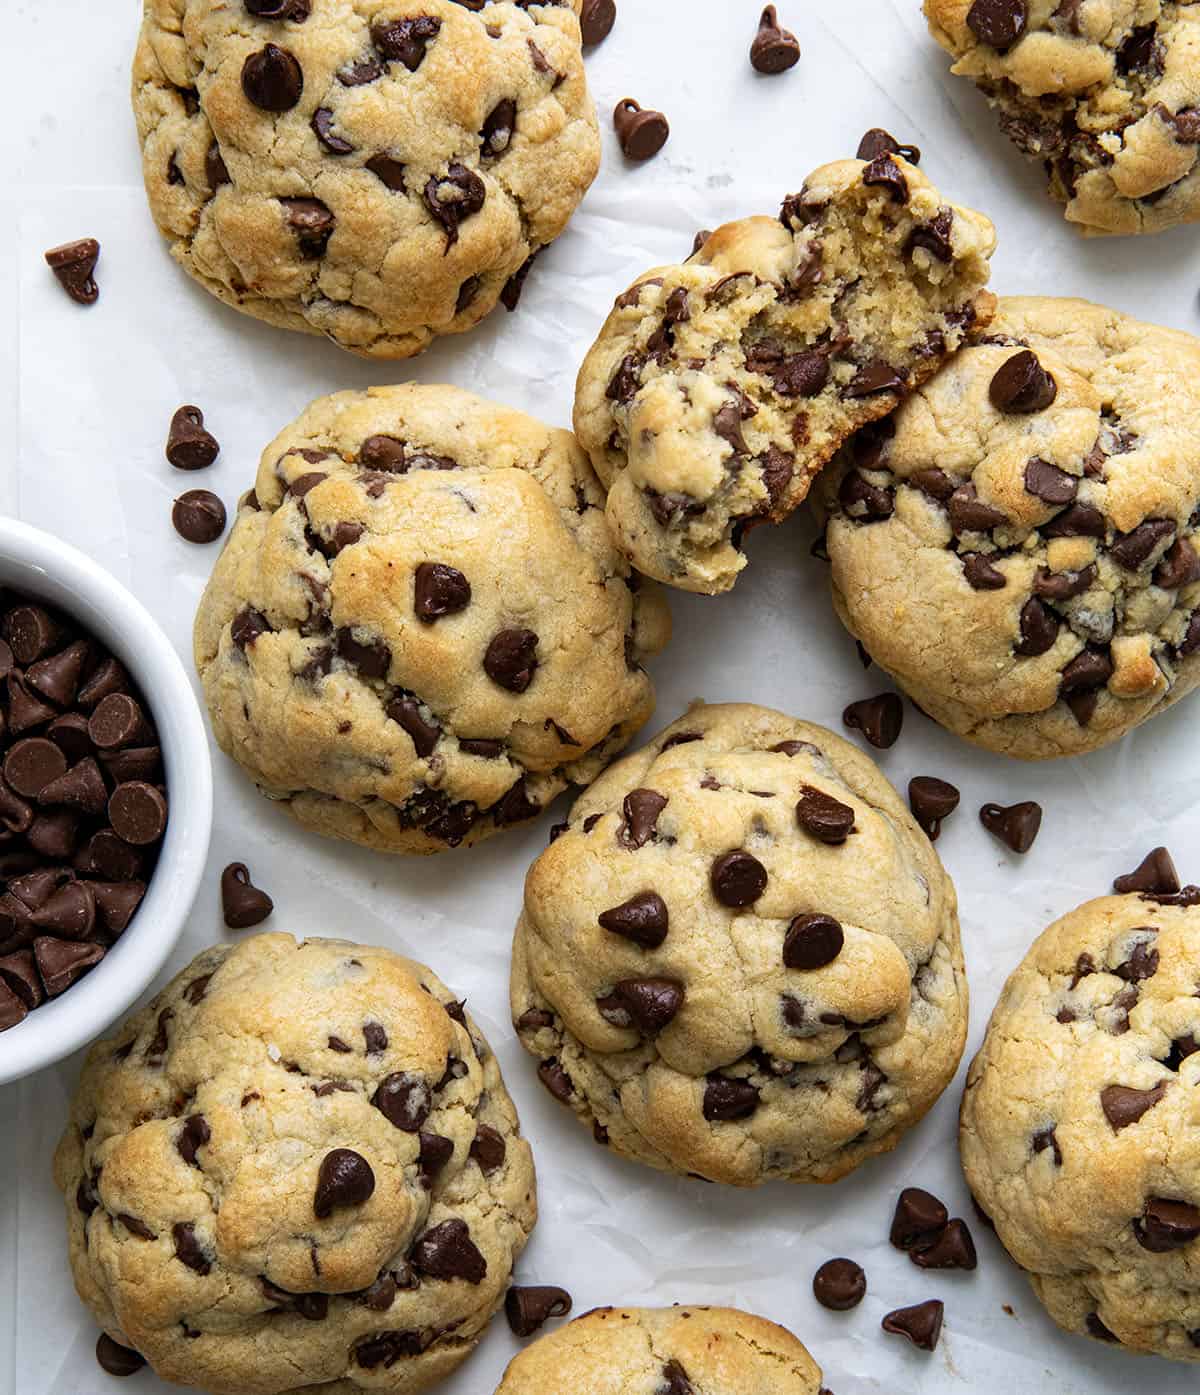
[[719, 388]]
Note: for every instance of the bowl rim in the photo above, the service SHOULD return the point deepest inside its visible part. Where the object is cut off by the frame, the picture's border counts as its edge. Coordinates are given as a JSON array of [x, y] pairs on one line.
[[38, 564]]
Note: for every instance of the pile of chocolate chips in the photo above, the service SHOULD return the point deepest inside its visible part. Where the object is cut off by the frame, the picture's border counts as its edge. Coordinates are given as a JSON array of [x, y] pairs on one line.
[[83, 808]]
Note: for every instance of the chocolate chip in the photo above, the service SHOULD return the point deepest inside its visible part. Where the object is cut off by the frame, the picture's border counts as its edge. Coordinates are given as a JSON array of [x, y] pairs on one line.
[[32, 763], [496, 134], [1137, 50], [70, 911], [840, 1284], [510, 294], [1155, 873], [863, 501], [878, 142], [511, 659], [62, 962], [453, 197], [885, 172], [1039, 629], [345, 1178], [198, 516], [676, 1381], [189, 445], [1166, 1225], [737, 878], [138, 812], [999, 23], [73, 264], [878, 718], [312, 222], [1078, 521], [727, 1100], [82, 788], [406, 711], [1048, 483], [650, 1003], [1124, 1105], [922, 1323], [529, 1309], [812, 941], [386, 1348], [1179, 567], [435, 1152], [439, 590], [918, 1219], [934, 236], [187, 1248], [272, 79], [448, 1252], [980, 574], [969, 515], [596, 20], [951, 1248], [1131, 550], [297, 10], [371, 658], [1048, 1138], [1091, 668], [823, 817], [322, 124], [115, 1359], [1063, 586], [242, 903], [1022, 385], [873, 377], [641, 133], [556, 1080], [483, 747], [117, 721], [375, 1038], [774, 49], [641, 809], [1017, 825], [405, 40], [642, 919]]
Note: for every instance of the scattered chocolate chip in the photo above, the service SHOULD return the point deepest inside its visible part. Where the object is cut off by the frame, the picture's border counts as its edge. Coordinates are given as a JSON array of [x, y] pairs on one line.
[[878, 718], [529, 1309], [74, 264], [918, 1219], [951, 1248], [737, 878], [1016, 826], [877, 141], [642, 133], [1155, 873], [999, 23], [922, 1323], [189, 445], [272, 79], [448, 1252], [726, 1100], [345, 1178], [198, 516], [840, 1284], [115, 1359], [1124, 1105], [931, 800], [511, 659], [827, 819], [242, 903], [812, 941], [774, 49]]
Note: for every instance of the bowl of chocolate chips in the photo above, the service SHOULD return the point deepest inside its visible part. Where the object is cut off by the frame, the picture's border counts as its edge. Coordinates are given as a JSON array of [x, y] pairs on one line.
[[105, 799]]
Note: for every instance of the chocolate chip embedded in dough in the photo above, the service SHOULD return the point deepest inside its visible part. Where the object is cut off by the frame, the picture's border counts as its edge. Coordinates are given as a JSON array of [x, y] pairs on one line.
[[1124, 1105], [1048, 483], [727, 1100], [272, 79], [643, 919], [345, 1178], [1022, 385], [447, 1252], [737, 878], [998, 23], [823, 817]]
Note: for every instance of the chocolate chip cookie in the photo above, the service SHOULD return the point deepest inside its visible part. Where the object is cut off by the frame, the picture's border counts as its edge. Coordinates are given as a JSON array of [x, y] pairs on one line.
[[665, 1351], [419, 631], [740, 959], [379, 173], [1017, 546], [1105, 93], [1078, 1115], [717, 389], [297, 1168]]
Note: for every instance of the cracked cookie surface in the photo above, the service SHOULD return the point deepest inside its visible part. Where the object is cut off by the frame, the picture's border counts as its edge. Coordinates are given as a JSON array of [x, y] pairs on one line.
[[297, 1169], [1017, 547], [719, 387], [419, 631], [376, 171], [740, 959], [1105, 93], [1078, 1121], [683, 1350]]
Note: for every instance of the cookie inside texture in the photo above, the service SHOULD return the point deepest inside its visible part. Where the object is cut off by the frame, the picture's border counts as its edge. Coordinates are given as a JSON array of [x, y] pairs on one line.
[[620, 1351], [1017, 546], [1103, 93], [719, 387], [740, 959], [379, 173], [297, 1168], [419, 631], [1073, 1116]]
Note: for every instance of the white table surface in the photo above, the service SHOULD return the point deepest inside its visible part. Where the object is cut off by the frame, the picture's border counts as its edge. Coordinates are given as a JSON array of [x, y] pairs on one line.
[[85, 397]]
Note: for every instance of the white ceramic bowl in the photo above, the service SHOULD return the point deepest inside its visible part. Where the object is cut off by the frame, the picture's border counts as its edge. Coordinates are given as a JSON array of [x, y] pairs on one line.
[[38, 565]]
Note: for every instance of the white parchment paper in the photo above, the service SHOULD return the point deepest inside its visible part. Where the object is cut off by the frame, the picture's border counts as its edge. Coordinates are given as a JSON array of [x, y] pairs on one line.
[[85, 397]]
